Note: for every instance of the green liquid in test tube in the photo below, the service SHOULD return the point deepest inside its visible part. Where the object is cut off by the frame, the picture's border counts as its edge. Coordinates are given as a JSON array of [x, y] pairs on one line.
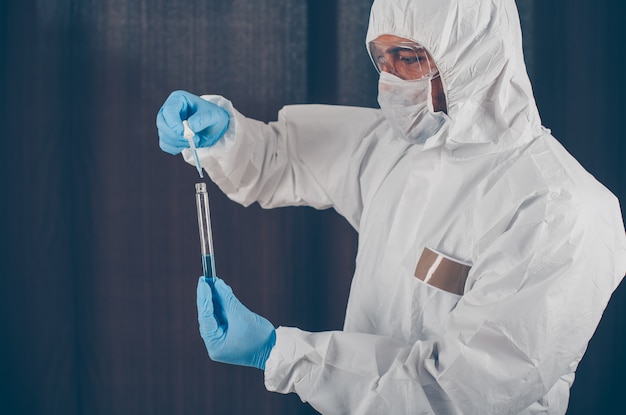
[[204, 226]]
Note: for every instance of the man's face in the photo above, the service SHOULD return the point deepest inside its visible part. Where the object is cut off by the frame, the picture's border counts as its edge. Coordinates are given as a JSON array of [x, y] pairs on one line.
[[408, 60]]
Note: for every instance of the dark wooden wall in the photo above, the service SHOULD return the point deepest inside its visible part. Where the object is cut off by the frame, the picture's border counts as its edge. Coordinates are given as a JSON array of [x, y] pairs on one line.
[[100, 252]]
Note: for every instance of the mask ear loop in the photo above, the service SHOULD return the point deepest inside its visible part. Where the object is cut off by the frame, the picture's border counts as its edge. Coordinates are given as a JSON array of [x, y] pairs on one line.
[[430, 104], [444, 88]]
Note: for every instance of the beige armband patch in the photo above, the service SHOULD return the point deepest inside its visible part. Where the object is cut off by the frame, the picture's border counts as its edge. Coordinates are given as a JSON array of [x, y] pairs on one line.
[[442, 272]]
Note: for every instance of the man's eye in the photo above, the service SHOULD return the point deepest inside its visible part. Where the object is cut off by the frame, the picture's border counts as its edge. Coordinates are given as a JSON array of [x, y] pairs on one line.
[[409, 59]]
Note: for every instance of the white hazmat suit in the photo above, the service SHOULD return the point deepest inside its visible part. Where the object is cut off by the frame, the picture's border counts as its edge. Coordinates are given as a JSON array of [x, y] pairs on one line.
[[539, 242]]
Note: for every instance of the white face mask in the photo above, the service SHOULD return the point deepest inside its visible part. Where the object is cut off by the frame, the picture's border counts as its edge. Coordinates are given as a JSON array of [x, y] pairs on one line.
[[407, 106]]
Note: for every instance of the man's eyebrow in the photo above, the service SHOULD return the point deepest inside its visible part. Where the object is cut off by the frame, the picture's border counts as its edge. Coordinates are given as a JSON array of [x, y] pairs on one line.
[[396, 49], [382, 49]]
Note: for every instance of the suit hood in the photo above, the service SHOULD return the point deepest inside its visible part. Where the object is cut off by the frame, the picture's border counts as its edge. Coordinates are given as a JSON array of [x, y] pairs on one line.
[[477, 46]]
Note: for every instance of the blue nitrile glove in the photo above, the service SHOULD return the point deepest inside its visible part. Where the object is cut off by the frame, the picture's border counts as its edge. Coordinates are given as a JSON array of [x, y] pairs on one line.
[[232, 333], [206, 119]]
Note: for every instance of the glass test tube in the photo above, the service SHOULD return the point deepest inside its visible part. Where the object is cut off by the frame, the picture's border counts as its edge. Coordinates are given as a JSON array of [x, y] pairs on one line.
[[204, 226]]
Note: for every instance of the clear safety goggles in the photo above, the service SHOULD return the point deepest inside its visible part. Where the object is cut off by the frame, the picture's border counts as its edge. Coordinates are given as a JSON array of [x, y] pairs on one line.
[[406, 60]]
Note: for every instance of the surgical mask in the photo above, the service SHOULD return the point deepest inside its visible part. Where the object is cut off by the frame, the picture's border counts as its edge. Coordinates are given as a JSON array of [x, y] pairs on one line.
[[407, 105]]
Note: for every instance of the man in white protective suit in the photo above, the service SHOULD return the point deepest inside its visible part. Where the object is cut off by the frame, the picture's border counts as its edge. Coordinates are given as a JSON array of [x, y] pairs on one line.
[[486, 253]]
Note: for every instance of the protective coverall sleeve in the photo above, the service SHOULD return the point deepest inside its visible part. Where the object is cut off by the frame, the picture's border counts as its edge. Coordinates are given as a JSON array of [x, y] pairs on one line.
[[314, 155], [539, 287]]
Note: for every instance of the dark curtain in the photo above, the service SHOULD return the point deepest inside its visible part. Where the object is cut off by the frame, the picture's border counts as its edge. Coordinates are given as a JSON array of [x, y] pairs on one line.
[[100, 249]]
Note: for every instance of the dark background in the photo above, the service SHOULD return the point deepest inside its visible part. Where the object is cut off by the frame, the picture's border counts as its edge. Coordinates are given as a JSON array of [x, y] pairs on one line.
[[100, 251]]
